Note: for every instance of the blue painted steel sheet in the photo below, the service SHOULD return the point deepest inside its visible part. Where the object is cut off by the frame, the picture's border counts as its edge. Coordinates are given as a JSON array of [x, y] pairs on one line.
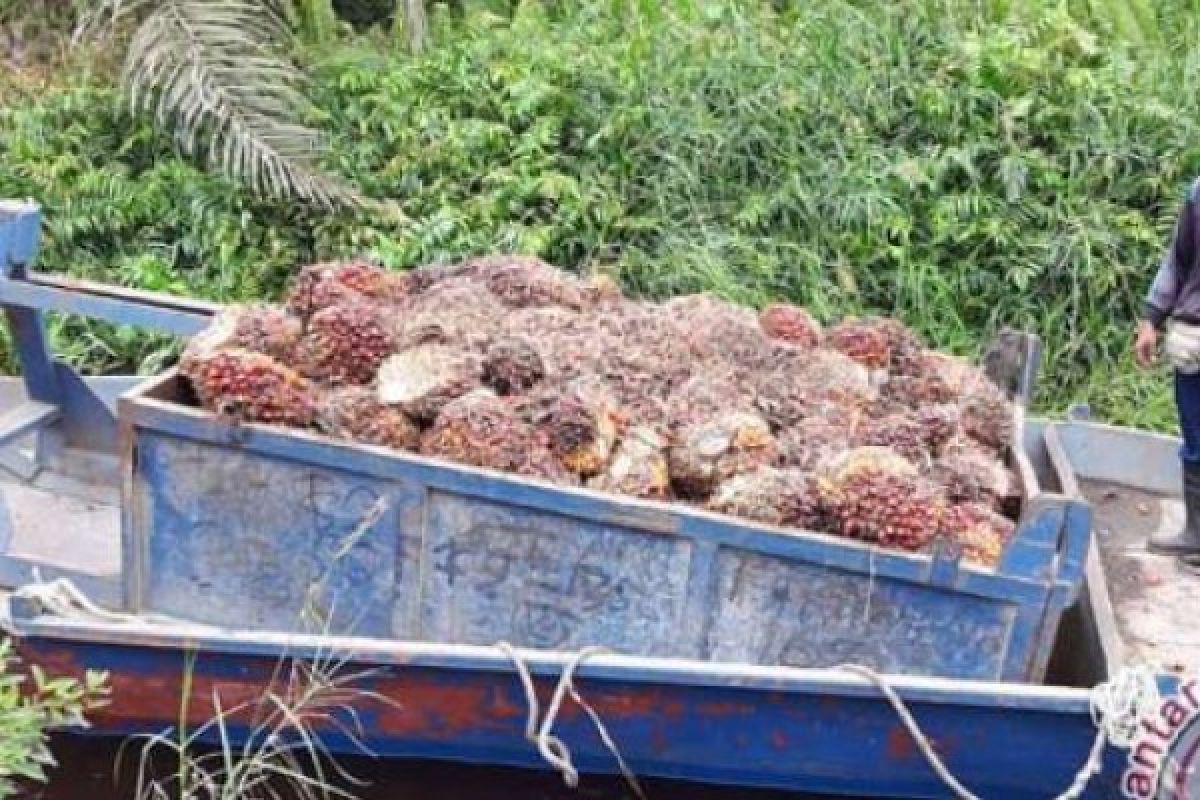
[[804, 730], [263, 528]]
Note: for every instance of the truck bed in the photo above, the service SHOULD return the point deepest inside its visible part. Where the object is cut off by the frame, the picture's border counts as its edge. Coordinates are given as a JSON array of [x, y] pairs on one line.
[[1153, 597]]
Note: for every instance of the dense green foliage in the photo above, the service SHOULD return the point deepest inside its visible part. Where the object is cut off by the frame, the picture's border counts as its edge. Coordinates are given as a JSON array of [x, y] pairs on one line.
[[915, 159]]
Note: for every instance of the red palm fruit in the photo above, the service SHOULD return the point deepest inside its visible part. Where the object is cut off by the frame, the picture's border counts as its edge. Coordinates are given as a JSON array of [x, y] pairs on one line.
[[791, 324], [981, 533], [320, 286], [862, 341], [523, 282], [813, 441], [344, 344], [250, 386], [772, 496], [987, 417], [973, 475], [884, 508], [479, 429], [900, 432], [580, 423], [355, 413]]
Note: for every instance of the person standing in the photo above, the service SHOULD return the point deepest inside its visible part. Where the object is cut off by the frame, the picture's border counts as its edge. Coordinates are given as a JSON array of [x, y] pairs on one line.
[[1173, 305]]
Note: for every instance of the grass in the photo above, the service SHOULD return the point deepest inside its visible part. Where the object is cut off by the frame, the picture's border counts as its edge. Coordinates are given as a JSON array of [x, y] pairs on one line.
[[957, 167], [270, 746]]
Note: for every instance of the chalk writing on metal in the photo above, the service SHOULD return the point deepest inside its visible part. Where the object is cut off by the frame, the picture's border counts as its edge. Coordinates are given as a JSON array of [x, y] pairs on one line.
[[240, 538], [547, 587]]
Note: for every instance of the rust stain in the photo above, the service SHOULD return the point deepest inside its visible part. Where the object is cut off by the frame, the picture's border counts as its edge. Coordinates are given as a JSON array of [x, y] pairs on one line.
[[659, 742], [434, 708], [726, 709], [648, 701], [423, 703], [900, 745]]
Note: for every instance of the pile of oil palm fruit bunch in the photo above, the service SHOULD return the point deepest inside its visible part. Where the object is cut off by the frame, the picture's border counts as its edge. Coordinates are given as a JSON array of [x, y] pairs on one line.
[[506, 363]]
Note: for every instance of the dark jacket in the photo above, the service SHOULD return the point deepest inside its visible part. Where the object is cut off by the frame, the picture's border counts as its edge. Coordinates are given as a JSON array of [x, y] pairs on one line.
[[1175, 293]]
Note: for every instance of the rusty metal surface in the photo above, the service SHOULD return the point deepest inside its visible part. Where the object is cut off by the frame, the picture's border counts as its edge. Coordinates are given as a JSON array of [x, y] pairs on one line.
[[807, 734]]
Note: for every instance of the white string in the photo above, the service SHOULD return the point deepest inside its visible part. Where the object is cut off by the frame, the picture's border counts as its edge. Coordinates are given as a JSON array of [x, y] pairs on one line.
[[553, 749], [63, 598], [1121, 704], [1116, 706]]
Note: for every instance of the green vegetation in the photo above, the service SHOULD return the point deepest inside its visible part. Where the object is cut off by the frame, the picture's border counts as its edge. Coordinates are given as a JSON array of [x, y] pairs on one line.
[[283, 753], [30, 704], [964, 165]]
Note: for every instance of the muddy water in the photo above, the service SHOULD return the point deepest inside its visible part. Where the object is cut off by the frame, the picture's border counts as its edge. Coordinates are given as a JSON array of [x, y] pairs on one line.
[[86, 772]]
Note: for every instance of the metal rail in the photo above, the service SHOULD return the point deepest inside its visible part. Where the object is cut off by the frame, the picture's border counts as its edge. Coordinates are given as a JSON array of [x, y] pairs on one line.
[[25, 296]]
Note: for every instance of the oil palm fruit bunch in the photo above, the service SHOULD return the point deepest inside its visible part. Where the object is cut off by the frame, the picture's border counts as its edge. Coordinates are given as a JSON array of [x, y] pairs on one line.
[[250, 386], [320, 286], [265, 329], [904, 346], [814, 441], [716, 330], [454, 312], [839, 375], [902, 432], [709, 453], [709, 392], [422, 380], [863, 341], [972, 475], [480, 429], [791, 324], [638, 468], [344, 345], [355, 413], [980, 533], [940, 424], [987, 417], [875, 494], [772, 496], [512, 364], [580, 423], [522, 282], [917, 391]]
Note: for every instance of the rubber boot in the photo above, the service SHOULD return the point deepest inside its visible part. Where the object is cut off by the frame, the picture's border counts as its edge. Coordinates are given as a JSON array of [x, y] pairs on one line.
[[1187, 541]]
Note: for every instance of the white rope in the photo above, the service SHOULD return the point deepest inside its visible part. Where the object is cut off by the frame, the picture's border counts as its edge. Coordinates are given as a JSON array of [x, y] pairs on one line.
[[1121, 704], [63, 598], [1117, 707], [540, 733]]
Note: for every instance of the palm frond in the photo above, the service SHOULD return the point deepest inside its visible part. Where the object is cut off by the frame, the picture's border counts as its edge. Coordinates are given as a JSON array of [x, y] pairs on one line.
[[216, 74]]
